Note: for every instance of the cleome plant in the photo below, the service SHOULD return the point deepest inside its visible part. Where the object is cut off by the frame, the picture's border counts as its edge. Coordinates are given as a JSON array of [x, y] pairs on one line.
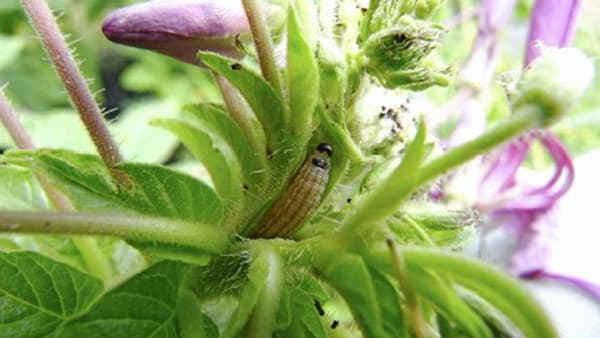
[[302, 226]]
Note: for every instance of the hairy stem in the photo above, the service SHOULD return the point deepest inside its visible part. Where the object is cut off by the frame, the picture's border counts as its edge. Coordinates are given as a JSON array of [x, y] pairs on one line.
[[11, 122], [135, 227], [263, 43], [93, 257], [63, 61]]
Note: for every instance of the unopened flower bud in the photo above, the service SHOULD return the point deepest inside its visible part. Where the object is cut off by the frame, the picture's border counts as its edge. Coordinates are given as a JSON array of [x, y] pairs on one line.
[[554, 81], [179, 28], [397, 56]]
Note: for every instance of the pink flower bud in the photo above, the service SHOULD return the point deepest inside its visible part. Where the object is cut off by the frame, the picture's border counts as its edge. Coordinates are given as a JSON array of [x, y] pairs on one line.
[[179, 28]]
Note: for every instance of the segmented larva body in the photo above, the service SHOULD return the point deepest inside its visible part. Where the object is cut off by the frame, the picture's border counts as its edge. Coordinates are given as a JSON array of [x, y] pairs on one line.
[[301, 198]]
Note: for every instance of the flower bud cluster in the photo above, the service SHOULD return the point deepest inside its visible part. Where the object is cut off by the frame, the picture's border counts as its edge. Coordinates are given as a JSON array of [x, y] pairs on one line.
[[397, 41]]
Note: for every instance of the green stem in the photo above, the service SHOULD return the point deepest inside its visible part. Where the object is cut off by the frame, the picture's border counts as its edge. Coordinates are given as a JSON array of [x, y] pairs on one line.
[[135, 227], [263, 43], [412, 302], [501, 291], [527, 118], [264, 315]]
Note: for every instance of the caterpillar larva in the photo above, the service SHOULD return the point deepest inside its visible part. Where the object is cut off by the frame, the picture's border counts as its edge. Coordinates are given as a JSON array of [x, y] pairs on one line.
[[301, 198]]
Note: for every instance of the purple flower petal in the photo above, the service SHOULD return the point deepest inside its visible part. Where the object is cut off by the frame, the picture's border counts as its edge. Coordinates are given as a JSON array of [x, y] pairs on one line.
[[179, 28], [553, 23], [501, 192], [536, 242], [591, 288]]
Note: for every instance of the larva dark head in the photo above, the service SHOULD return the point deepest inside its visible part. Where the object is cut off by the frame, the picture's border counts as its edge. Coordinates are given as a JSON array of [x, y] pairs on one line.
[[321, 163], [325, 148]]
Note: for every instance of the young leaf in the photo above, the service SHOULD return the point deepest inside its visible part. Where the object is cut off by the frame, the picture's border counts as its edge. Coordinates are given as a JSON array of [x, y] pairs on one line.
[[144, 306], [253, 163], [216, 156], [265, 102], [37, 294], [303, 76], [448, 303], [154, 190]]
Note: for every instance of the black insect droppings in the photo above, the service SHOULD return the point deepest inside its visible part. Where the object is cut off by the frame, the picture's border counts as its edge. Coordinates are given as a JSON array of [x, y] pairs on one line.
[[335, 324], [319, 308], [236, 66]]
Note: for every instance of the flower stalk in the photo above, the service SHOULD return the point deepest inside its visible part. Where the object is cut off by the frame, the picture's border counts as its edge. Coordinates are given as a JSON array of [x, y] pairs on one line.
[[528, 118], [263, 43], [44, 23]]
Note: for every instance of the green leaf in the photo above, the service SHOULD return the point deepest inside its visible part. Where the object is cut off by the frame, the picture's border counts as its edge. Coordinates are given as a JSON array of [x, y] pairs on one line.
[[153, 190], [192, 322], [500, 291], [214, 153], [390, 305], [254, 164], [298, 316], [493, 286], [448, 303], [302, 77], [37, 295], [341, 138], [261, 97], [304, 319], [144, 306], [20, 190], [348, 274]]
